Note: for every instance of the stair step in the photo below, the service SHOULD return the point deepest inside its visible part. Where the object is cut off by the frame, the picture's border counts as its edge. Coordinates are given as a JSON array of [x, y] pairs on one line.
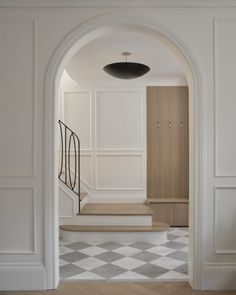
[[157, 226], [116, 209], [127, 234]]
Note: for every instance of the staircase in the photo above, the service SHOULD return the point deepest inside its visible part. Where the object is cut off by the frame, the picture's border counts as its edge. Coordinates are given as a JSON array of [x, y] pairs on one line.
[[93, 222]]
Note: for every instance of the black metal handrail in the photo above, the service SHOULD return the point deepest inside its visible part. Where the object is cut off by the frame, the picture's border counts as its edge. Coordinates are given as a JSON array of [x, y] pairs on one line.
[[69, 142]]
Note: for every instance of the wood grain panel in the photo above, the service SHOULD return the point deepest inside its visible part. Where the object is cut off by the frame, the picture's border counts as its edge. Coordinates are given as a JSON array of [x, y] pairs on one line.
[[167, 142], [181, 214], [163, 213]]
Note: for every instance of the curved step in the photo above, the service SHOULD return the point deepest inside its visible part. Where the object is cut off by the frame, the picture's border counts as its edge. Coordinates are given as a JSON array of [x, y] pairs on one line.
[[155, 233], [157, 226]]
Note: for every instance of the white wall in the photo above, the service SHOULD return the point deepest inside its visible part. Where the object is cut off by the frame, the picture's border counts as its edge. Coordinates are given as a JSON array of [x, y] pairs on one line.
[[28, 39], [111, 125]]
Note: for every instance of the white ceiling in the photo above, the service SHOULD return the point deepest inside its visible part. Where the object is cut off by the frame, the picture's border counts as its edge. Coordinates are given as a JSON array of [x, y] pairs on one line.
[[86, 66]]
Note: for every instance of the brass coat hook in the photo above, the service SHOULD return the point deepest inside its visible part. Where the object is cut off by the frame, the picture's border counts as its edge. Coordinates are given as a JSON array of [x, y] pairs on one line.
[[157, 124]]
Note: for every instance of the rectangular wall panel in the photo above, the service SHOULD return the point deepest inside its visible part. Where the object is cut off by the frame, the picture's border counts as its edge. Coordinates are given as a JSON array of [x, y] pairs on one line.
[[119, 172], [225, 220], [225, 102], [77, 115], [17, 98], [85, 169], [119, 120], [17, 218]]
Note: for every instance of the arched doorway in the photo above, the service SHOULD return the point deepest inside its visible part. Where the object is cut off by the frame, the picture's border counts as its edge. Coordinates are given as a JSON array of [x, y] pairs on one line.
[[72, 43]]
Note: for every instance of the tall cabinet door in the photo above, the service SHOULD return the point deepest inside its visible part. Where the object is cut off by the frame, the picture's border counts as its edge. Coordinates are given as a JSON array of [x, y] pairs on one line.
[[167, 143]]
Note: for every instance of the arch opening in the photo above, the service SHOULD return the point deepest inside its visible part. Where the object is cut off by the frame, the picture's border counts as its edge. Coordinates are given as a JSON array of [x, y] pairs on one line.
[[70, 45]]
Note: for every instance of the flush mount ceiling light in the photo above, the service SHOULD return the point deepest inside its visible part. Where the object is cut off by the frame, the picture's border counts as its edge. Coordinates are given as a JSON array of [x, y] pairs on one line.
[[126, 70]]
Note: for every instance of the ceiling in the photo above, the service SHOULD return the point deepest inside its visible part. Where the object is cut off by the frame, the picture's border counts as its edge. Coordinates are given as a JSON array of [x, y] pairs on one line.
[[86, 66]]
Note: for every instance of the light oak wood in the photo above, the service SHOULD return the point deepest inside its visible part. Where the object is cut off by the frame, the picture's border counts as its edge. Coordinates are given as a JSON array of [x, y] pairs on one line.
[[116, 209], [174, 214], [167, 141], [167, 200], [157, 226], [163, 213], [181, 214], [94, 288], [168, 153]]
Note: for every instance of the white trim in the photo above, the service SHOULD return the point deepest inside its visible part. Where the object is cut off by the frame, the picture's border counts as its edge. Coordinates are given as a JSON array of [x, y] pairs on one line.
[[99, 188], [217, 173], [221, 251], [220, 266], [87, 31], [164, 4], [26, 276], [34, 246], [33, 22], [90, 114], [140, 92]]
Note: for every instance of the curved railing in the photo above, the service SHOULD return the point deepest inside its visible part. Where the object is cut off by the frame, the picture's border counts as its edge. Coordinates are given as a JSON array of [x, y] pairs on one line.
[[69, 167]]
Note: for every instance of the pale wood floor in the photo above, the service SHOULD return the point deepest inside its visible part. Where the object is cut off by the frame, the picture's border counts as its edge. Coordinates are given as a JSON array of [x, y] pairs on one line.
[[156, 226], [180, 288], [116, 209]]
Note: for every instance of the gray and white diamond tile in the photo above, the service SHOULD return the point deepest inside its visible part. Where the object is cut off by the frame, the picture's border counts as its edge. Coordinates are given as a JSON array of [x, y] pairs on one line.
[[141, 261]]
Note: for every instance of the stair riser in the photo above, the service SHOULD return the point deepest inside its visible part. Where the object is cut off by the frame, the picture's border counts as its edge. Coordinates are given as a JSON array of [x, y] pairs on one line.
[[97, 220], [119, 237]]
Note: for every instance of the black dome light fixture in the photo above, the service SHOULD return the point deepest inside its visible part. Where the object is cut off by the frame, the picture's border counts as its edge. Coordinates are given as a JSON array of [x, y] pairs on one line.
[[126, 70]]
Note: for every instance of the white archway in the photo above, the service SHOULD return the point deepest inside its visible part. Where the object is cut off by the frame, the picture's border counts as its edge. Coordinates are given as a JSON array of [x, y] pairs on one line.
[[70, 45]]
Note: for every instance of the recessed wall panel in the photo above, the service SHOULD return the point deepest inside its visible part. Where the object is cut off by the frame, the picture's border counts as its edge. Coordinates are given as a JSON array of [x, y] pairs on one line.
[[225, 118], [119, 120], [17, 98], [77, 115], [85, 169], [118, 172], [225, 220], [17, 220]]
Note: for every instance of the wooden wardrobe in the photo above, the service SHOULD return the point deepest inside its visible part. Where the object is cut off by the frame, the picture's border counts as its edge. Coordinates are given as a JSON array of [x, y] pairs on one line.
[[168, 153]]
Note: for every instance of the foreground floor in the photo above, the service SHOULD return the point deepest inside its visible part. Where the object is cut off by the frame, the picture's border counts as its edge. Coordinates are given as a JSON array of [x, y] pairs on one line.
[[179, 288], [136, 262]]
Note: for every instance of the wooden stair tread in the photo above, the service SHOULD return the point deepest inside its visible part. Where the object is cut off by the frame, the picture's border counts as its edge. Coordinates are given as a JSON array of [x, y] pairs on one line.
[[157, 226], [116, 209], [166, 200]]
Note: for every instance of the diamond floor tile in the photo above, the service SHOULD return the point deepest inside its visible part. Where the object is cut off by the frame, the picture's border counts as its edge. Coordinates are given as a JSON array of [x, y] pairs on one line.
[[149, 270], [140, 261], [69, 270], [128, 263], [108, 271]]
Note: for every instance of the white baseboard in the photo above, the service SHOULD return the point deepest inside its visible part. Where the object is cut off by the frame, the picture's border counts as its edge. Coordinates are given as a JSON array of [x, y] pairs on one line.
[[22, 277], [219, 276]]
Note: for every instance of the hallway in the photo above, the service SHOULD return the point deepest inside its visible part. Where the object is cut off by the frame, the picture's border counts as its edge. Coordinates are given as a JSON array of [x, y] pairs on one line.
[[136, 262]]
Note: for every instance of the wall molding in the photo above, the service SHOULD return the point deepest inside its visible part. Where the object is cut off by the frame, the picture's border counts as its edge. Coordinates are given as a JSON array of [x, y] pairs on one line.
[[89, 148], [98, 188], [220, 266], [34, 244], [33, 22], [140, 92], [217, 173], [220, 251], [164, 4]]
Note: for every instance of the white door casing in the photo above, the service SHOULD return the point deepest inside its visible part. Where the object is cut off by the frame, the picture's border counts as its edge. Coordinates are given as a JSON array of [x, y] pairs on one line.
[[68, 47]]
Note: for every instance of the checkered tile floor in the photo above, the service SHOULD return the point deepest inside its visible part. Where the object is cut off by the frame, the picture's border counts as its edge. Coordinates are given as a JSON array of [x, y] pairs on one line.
[[142, 261]]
